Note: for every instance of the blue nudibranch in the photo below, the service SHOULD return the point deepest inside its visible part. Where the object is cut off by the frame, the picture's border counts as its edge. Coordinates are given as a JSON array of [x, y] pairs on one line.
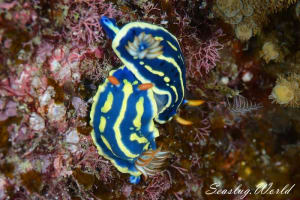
[[150, 86], [154, 56], [124, 132]]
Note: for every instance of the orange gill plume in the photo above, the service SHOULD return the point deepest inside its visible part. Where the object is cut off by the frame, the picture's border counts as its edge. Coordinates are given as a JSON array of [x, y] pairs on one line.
[[151, 162]]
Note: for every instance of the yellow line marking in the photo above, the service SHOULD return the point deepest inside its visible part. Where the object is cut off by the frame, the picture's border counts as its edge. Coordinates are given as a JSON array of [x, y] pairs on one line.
[[95, 101], [106, 143], [115, 29], [166, 79], [102, 124], [108, 103], [146, 147], [153, 71], [127, 90], [175, 91], [158, 38], [139, 107], [96, 98], [135, 137], [172, 46], [135, 82], [174, 63], [112, 160]]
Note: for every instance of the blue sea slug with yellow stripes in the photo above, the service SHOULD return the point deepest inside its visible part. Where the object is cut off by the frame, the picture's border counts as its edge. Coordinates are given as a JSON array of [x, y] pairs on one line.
[[154, 56], [150, 86], [124, 132]]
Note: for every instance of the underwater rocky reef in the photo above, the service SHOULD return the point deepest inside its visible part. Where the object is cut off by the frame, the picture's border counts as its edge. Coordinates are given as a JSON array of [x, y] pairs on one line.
[[242, 58]]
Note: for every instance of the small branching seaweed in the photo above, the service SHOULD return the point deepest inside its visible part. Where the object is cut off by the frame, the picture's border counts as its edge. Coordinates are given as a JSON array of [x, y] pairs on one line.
[[240, 104]]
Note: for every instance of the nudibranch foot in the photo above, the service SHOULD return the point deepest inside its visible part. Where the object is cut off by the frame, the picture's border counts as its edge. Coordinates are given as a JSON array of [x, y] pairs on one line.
[[151, 162], [134, 179], [194, 102], [183, 121]]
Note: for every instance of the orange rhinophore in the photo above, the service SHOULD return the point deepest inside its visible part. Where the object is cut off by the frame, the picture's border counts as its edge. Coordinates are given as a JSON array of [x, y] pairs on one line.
[[113, 80], [145, 86]]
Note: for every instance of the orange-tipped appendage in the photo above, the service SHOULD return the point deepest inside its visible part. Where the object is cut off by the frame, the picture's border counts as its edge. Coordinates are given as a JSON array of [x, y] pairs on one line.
[[113, 80], [145, 86], [195, 102], [183, 121]]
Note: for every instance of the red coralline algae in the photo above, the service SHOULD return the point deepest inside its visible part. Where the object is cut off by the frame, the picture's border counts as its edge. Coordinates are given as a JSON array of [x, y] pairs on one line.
[[83, 21], [19, 84], [202, 132], [80, 106], [43, 51], [21, 13], [7, 6], [126, 190], [202, 58], [64, 64], [36, 122], [2, 188], [60, 166], [159, 184], [7, 109]]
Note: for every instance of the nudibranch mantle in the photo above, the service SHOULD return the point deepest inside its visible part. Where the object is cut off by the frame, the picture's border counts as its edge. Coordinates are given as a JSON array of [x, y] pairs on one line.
[[122, 117], [162, 64]]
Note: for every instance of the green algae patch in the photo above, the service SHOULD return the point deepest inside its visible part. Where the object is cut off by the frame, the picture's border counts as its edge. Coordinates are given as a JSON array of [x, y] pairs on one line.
[[59, 91], [84, 179], [103, 191], [7, 169], [32, 180], [4, 134], [84, 130]]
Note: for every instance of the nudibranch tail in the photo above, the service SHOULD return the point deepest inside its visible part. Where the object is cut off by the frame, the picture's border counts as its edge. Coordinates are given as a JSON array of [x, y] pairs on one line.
[[183, 121], [151, 162], [194, 102]]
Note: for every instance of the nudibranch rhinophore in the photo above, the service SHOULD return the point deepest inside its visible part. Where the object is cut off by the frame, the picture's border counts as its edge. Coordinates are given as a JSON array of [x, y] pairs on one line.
[[122, 116], [154, 56]]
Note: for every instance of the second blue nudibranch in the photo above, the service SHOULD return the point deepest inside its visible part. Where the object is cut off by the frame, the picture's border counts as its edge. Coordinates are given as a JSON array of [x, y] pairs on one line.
[[124, 132]]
